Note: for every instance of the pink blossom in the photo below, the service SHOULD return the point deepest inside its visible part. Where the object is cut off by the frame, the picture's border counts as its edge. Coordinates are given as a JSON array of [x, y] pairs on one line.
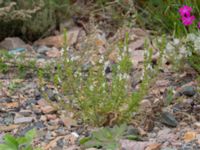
[[188, 20], [185, 11]]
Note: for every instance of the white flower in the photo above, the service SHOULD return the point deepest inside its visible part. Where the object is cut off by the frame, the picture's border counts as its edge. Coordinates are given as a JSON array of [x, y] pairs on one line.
[[125, 76], [191, 37], [169, 48], [91, 87], [182, 50], [101, 59], [119, 58], [103, 85], [176, 42], [120, 76], [197, 44]]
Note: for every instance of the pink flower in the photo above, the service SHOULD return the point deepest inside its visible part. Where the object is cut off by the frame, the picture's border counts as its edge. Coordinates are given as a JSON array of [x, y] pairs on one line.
[[198, 25], [188, 20], [185, 11]]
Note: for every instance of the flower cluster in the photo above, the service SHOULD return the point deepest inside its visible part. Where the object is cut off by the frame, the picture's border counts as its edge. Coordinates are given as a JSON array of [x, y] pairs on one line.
[[186, 17]]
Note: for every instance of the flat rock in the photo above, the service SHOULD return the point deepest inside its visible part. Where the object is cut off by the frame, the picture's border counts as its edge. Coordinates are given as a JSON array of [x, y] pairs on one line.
[[48, 109], [168, 119], [11, 43], [23, 120], [133, 145], [52, 41]]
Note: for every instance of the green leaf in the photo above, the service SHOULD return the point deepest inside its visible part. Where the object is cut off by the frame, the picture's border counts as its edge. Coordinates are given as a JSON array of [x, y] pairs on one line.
[[6, 147], [22, 140], [30, 134], [132, 137], [11, 141], [84, 140]]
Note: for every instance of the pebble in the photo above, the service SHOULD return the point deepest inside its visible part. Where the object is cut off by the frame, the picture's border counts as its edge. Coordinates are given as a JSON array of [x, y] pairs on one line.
[[132, 131], [42, 49], [168, 119], [188, 91], [23, 120], [189, 136], [48, 109]]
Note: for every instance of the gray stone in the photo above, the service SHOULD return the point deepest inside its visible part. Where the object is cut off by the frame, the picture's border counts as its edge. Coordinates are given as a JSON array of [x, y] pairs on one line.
[[9, 119], [132, 131], [5, 99], [11, 43], [23, 120], [188, 91], [168, 119], [42, 49]]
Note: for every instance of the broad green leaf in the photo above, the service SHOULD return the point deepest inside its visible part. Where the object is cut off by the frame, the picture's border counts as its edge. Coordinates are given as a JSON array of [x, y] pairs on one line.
[[132, 137], [84, 140], [11, 141], [6, 147], [22, 140], [30, 135]]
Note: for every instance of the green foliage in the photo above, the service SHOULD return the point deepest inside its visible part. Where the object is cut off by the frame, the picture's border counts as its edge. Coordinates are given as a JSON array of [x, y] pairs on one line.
[[106, 138], [16, 63], [169, 97], [93, 96], [194, 61], [4, 56], [19, 143]]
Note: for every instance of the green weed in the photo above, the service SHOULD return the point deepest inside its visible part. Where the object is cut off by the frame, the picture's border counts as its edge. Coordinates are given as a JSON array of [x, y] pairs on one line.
[[19, 143]]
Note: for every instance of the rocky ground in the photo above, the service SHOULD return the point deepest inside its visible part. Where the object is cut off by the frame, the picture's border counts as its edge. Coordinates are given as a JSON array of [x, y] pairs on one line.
[[168, 118]]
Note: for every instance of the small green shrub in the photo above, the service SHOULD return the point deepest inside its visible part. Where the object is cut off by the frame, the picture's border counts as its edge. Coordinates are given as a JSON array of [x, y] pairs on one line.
[[19, 143], [106, 138], [99, 99]]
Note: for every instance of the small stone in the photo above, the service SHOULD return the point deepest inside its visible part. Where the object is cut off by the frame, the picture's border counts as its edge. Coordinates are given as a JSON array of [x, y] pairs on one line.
[[68, 122], [43, 118], [75, 134], [51, 116], [168, 119], [132, 131], [48, 109], [189, 136], [71, 138], [25, 113], [51, 94], [53, 53], [197, 124], [23, 120], [188, 91], [45, 107], [49, 135], [153, 147], [42, 49]]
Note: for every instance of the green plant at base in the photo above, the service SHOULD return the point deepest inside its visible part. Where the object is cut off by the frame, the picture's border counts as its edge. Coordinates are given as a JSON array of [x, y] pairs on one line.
[[19, 143], [4, 56], [106, 138]]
